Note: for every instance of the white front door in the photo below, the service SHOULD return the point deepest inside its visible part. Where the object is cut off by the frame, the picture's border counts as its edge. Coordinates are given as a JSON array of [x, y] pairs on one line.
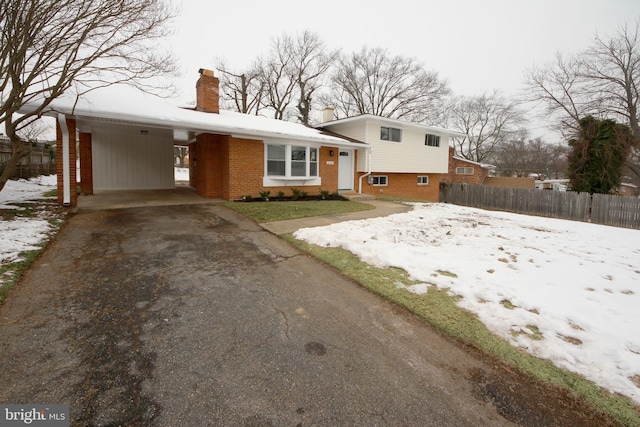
[[345, 169]]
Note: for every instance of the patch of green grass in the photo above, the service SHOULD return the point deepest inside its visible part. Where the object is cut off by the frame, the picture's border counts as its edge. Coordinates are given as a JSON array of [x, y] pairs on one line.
[[23, 210], [507, 304], [447, 274], [11, 273], [439, 310], [401, 199], [278, 211]]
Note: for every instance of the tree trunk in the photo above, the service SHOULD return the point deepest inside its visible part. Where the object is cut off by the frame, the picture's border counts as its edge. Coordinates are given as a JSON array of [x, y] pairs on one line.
[[19, 150]]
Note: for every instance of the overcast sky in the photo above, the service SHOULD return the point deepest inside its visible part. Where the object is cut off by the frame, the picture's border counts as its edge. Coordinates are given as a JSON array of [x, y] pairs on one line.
[[476, 45]]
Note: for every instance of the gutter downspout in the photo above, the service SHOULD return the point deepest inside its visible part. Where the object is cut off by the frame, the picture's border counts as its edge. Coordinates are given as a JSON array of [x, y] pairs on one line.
[[66, 178], [368, 170]]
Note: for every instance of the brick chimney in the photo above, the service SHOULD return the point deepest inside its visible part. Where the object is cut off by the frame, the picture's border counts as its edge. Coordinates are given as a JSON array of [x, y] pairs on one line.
[[207, 92]]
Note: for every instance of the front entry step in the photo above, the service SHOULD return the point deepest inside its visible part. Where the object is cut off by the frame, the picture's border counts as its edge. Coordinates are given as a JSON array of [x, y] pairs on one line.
[[353, 196]]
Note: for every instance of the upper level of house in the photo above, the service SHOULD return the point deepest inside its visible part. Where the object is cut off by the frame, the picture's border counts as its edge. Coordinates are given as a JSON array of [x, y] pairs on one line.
[[397, 146]]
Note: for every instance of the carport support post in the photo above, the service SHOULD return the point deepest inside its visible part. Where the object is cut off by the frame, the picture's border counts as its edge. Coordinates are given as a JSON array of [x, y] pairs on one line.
[[66, 161]]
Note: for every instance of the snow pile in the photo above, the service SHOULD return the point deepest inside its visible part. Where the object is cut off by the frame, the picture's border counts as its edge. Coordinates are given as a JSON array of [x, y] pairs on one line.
[[24, 190], [21, 234], [564, 291]]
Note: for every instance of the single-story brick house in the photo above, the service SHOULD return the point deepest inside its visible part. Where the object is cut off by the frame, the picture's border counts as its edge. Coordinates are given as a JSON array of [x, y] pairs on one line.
[[407, 159], [126, 141]]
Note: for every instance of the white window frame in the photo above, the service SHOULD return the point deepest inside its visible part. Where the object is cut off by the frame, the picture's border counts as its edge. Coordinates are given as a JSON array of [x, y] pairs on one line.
[[311, 159], [389, 135], [432, 140], [424, 178], [375, 178], [464, 170]]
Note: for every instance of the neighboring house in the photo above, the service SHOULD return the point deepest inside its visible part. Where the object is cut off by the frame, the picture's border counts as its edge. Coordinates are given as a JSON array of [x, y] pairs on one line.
[[402, 158], [627, 189], [552, 184], [126, 142], [466, 171]]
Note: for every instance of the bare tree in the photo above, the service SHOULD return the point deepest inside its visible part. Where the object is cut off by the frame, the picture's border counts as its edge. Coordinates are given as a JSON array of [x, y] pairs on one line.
[[374, 82], [561, 88], [244, 90], [48, 46], [602, 81], [311, 62], [278, 77], [488, 120], [520, 156]]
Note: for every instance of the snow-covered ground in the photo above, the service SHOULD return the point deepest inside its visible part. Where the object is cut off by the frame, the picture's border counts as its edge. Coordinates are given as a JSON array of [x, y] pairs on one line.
[[181, 174], [22, 234], [575, 285]]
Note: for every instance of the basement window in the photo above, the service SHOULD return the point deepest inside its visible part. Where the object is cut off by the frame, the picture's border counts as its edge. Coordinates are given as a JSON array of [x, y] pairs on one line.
[[423, 180], [380, 180]]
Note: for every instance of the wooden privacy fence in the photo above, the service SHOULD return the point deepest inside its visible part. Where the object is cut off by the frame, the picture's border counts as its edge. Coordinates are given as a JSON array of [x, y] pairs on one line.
[[604, 209], [40, 161]]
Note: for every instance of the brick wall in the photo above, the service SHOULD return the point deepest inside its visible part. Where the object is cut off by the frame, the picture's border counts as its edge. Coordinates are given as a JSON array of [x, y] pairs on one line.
[[232, 168], [479, 173], [245, 168], [86, 163], [208, 160], [71, 126], [404, 185]]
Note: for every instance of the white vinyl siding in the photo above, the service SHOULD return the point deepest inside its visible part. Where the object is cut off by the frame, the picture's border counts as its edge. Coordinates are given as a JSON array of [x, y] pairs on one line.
[[124, 159], [411, 156]]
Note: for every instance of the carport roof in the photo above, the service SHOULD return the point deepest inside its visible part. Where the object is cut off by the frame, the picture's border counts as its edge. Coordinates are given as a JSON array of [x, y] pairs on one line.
[[125, 105]]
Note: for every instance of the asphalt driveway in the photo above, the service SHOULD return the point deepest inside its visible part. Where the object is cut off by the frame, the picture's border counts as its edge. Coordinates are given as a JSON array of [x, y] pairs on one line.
[[192, 315]]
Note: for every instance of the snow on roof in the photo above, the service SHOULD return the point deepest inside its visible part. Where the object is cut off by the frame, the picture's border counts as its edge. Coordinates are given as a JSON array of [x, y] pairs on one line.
[[127, 105], [397, 122], [482, 165]]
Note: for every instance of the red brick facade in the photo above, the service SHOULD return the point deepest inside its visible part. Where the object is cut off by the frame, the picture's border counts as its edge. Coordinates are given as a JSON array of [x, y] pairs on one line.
[[71, 127], [86, 163], [403, 185], [477, 177], [232, 168]]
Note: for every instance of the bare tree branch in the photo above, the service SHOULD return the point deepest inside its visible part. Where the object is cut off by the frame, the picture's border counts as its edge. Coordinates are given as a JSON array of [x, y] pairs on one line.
[[49, 46], [488, 120], [374, 82]]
